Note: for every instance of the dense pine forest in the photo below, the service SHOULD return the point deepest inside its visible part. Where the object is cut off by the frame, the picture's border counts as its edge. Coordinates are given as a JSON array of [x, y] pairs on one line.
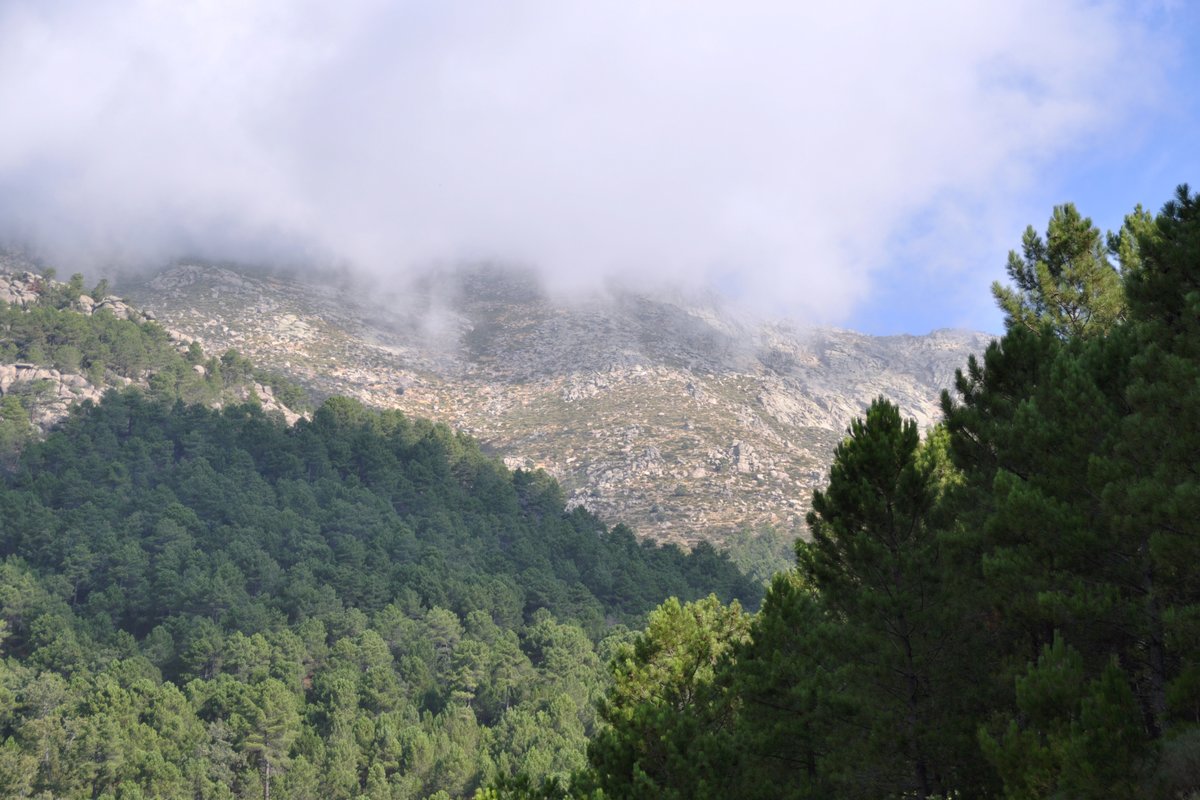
[[211, 604]]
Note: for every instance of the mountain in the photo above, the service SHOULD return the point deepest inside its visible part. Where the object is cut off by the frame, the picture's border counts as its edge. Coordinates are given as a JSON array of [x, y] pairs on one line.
[[210, 596], [683, 417]]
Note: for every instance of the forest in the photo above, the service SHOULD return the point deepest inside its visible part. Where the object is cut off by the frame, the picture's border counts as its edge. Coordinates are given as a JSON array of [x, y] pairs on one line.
[[385, 604], [1008, 607], [210, 604]]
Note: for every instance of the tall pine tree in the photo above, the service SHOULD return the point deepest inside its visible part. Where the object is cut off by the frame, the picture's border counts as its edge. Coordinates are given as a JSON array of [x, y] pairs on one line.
[[879, 563]]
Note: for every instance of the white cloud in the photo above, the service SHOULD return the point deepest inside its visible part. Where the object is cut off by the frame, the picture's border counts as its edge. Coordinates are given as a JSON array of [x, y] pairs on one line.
[[790, 145]]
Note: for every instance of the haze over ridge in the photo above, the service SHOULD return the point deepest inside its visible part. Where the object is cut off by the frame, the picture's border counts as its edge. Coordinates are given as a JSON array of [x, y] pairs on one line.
[[801, 159]]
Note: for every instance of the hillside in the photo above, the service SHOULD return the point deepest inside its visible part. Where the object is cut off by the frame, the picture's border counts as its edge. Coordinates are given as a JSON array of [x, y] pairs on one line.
[[410, 616], [61, 345], [687, 420]]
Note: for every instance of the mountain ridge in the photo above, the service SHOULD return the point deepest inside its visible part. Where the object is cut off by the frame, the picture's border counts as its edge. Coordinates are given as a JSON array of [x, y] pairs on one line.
[[687, 421]]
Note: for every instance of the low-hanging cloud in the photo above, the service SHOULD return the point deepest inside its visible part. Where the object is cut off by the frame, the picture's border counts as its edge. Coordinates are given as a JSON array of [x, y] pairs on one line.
[[784, 150]]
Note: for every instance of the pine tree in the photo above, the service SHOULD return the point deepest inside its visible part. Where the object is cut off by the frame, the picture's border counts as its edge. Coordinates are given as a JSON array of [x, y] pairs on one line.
[[790, 728], [877, 560], [1079, 449], [669, 714], [273, 724], [1154, 494], [1064, 281], [1079, 738]]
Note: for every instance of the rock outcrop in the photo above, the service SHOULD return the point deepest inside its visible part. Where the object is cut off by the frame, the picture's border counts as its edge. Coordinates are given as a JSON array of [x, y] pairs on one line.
[[55, 391], [20, 289]]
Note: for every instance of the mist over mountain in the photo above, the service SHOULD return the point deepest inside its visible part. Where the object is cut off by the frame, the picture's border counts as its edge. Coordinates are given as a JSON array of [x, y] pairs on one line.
[[803, 157], [674, 412]]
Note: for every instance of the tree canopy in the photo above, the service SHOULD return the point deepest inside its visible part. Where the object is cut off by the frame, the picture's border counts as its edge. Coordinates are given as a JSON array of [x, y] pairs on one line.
[[202, 603], [1007, 608]]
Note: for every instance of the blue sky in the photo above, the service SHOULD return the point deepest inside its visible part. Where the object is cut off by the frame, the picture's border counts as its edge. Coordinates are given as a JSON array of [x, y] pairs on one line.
[[866, 165], [1142, 161]]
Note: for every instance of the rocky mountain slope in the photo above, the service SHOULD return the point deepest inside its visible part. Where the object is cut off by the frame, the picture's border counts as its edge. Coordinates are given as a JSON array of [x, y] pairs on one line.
[[684, 420], [57, 389], [49, 380]]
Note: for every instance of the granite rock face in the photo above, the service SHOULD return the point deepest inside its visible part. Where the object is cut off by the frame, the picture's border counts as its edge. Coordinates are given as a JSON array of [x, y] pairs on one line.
[[684, 419], [57, 391]]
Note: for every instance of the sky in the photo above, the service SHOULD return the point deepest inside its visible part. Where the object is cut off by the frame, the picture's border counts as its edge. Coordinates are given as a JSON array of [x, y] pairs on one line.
[[861, 164]]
